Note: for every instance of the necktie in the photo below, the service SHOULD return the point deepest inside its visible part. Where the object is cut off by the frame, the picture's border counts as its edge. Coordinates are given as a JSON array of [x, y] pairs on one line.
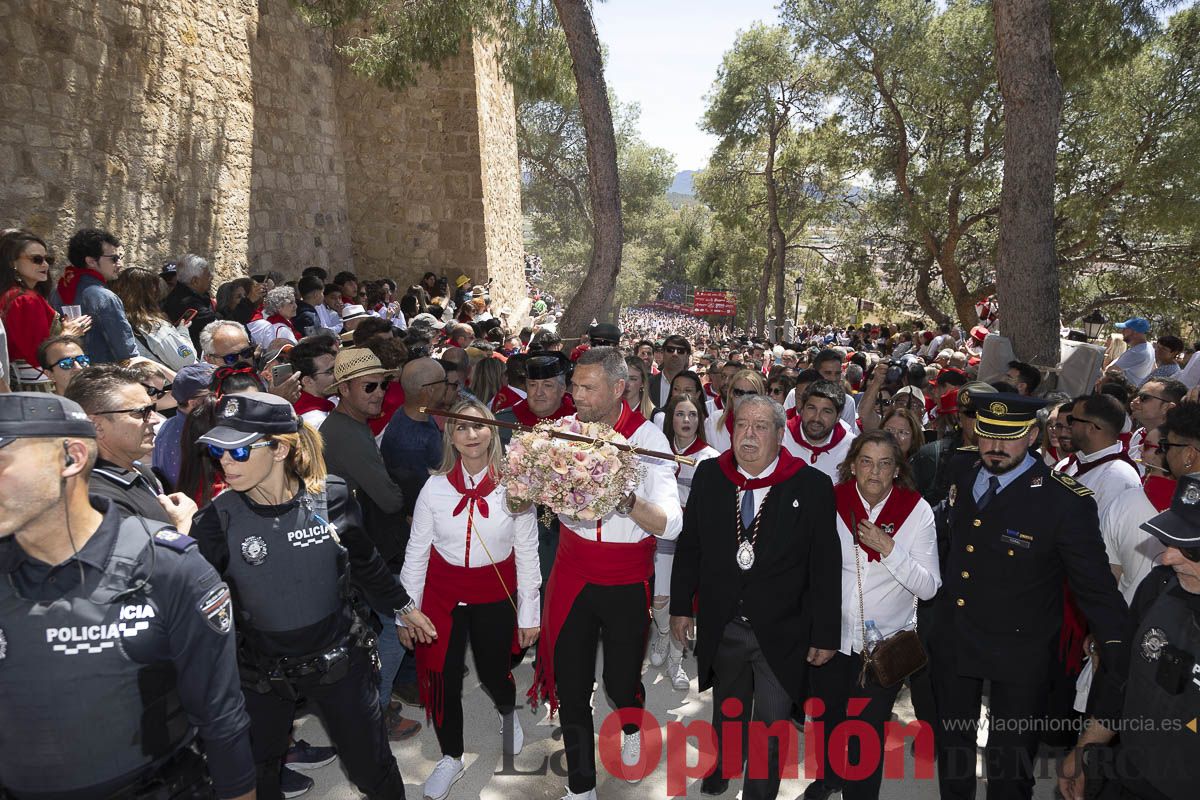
[[989, 493], [747, 509]]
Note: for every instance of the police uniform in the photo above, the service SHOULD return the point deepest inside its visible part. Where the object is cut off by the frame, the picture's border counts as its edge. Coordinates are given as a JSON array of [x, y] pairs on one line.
[[288, 569], [1000, 610], [112, 660], [133, 491]]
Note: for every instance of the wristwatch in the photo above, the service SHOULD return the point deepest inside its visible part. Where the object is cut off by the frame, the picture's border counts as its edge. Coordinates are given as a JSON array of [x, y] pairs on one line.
[[408, 608], [626, 505]]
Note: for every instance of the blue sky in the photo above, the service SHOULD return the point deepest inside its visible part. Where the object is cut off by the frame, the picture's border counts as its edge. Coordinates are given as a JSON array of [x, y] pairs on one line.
[[664, 54]]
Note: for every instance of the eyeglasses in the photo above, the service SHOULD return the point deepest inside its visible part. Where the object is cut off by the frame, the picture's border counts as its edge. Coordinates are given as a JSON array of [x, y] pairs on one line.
[[114, 256], [241, 355], [679, 351], [73, 362], [744, 392], [157, 393], [1164, 446], [40, 259], [1143, 396], [144, 412], [239, 454], [371, 386]]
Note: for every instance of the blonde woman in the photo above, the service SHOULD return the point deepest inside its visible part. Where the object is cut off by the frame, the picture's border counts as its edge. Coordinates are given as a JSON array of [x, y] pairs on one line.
[[637, 388], [472, 566], [283, 537], [718, 431]]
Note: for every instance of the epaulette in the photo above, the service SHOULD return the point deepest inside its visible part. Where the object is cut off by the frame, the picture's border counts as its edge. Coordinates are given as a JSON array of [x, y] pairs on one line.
[[1072, 484], [173, 539]]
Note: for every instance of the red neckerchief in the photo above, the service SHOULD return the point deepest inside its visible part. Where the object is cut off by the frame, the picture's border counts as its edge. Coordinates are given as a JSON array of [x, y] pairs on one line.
[[68, 284], [795, 427], [257, 313], [1159, 490], [1125, 439], [696, 446], [628, 422], [896, 509], [525, 415], [788, 466], [279, 319], [505, 398], [310, 402], [791, 413], [476, 497], [1082, 468]]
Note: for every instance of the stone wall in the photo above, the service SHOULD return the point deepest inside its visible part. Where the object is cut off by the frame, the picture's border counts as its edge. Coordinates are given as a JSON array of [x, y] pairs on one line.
[[230, 128]]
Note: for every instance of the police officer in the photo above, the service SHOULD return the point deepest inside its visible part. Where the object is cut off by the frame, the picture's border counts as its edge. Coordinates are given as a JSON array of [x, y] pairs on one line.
[[116, 637], [285, 537], [1017, 529], [1156, 757]]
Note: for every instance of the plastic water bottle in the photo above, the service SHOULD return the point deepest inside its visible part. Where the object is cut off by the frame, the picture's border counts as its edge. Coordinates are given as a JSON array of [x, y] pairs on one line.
[[873, 636]]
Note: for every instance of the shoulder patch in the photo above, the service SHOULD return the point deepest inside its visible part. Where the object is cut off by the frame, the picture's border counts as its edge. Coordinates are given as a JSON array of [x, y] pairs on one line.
[[217, 609], [173, 539], [1072, 484]]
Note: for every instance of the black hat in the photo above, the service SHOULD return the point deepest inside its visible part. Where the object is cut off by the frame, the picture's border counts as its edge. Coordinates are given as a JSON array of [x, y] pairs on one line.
[[1179, 525], [544, 366], [168, 270], [1005, 416], [242, 418], [967, 399], [25, 415], [604, 333]]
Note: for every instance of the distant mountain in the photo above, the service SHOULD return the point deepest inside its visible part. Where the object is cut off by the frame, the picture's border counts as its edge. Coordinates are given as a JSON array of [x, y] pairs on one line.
[[683, 183]]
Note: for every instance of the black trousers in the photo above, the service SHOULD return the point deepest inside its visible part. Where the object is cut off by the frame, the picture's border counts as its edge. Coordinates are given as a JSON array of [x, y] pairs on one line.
[[489, 628], [741, 671], [617, 616], [836, 682], [350, 711], [1016, 712]]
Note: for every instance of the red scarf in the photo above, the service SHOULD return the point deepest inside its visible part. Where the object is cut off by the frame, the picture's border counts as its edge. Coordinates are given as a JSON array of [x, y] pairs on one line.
[[796, 428], [279, 319], [310, 402], [1082, 468], [718, 403], [579, 562], [447, 585], [473, 498], [257, 313], [628, 422], [505, 398], [788, 466], [899, 505], [525, 415], [68, 284], [696, 446], [1159, 490]]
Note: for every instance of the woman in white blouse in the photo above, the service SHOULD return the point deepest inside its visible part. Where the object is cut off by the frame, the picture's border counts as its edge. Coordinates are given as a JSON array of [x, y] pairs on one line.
[[472, 563], [683, 423], [889, 549]]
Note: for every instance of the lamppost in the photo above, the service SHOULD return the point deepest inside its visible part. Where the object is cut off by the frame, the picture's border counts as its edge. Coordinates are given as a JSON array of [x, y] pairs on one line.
[[1093, 323], [799, 284]]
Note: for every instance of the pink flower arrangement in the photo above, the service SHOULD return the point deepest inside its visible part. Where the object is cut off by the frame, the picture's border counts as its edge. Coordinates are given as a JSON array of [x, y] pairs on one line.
[[582, 480]]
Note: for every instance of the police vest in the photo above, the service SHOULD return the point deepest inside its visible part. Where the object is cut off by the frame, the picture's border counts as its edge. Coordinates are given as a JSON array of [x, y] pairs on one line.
[[1163, 695], [75, 710], [285, 572]]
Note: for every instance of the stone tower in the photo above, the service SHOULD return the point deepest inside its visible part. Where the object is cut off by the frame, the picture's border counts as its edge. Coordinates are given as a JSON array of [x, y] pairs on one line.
[[230, 128]]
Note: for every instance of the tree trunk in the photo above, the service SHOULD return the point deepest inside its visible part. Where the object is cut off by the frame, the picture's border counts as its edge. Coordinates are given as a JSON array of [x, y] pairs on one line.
[[1026, 268], [774, 233], [604, 187], [764, 287]]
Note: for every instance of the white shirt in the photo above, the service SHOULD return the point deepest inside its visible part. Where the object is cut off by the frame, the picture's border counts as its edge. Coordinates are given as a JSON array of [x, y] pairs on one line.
[[1137, 363], [827, 462], [889, 584], [329, 318], [1137, 443], [1127, 545], [759, 494], [658, 486], [1191, 373], [685, 473], [262, 332], [1107, 480], [492, 539], [715, 433]]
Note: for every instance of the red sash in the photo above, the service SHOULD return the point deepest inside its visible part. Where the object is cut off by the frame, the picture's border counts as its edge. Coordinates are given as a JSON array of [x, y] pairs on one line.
[[899, 505], [787, 466], [525, 415], [68, 284], [1082, 468], [579, 562], [1159, 490], [447, 585], [795, 427]]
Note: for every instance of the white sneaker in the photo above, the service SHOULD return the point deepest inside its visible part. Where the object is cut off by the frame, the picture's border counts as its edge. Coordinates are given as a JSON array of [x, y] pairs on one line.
[[631, 752], [511, 721], [658, 648], [445, 773], [590, 794], [675, 672]]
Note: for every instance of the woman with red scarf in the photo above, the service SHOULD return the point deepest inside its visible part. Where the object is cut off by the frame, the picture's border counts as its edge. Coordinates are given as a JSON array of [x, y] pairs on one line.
[[889, 559], [472, 567], [279, 308]]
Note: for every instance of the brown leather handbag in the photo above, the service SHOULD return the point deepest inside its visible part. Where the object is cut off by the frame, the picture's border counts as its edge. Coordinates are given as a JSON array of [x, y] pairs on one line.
[[897, 656]]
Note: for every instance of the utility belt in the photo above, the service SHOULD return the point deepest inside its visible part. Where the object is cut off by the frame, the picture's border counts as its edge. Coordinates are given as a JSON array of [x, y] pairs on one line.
[[182, 776], [288, 675]]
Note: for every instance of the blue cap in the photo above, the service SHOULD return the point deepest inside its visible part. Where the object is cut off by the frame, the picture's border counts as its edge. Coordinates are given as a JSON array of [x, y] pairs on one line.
[[1135, 324]]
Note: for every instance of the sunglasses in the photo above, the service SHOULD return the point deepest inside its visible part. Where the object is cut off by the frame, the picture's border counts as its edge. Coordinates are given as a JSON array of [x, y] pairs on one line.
[[371, 386], [73, 362], [743, 392], [115, 257], [144, 412], [1143, 396], [1071, 420], [41, 259], [155, 394], [238, 454], [241, 355]]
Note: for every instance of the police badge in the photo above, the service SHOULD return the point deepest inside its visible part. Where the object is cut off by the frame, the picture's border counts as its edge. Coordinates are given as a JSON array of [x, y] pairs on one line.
[[254, 550], [231, 407], [1191, 495], [1153, 643]]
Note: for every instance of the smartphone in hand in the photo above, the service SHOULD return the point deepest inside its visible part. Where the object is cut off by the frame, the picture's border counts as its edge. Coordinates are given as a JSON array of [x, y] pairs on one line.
[[280, 373]]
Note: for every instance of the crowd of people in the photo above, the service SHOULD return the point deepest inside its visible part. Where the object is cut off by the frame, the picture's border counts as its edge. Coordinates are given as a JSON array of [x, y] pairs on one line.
[[288, 493]]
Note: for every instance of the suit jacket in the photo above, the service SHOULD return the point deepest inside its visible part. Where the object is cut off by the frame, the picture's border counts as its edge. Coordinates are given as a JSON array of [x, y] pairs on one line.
[[792, 594], [1001, 605]]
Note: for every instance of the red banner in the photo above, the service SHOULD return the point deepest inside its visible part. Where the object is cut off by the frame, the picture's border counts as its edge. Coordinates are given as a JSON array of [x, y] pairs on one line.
[[723, 304]]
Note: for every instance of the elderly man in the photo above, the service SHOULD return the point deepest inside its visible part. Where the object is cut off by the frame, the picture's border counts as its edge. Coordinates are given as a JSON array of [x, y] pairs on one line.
[[772, 606], [817, 435], [546, 394], [224, 343], [193, 280], [598, 589]]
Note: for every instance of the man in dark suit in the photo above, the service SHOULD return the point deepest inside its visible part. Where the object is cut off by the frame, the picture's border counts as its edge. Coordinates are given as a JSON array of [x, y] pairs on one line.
[[677, 355], [1017, 530], [769, 584]]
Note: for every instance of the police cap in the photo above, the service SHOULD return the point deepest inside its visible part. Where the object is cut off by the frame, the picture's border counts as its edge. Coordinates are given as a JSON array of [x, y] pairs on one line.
[[242, 418], [604, 334], [38, 414], [967, 400], [1179, 525], [1005, 415]]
